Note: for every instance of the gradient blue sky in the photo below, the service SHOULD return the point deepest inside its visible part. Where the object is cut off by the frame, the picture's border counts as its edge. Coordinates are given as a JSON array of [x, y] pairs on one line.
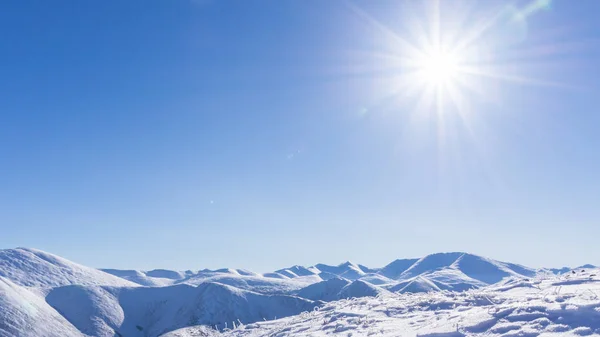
[[260, 134]]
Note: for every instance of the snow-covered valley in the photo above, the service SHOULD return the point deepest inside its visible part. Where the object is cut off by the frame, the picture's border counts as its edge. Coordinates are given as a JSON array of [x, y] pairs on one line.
[[446, 294]]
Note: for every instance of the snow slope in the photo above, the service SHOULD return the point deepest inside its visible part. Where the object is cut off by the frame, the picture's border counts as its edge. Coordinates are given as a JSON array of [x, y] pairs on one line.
[[34, 268], [567, 306], [462, 270], [328, 290], [418, 284], [347, 270], [377, 279], [24, 313], [283, 281], [339, 288], [91, 309], [261, 284], [45, 295], [489, 271], [396, 268], [157, 310], [451, 271], [140, 277], [297, 271], [475, 271], [144, 311], [359, 289]]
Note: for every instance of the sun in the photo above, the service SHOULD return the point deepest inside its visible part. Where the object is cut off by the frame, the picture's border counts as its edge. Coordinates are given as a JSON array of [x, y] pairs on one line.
[[438, 68], [445, 59]]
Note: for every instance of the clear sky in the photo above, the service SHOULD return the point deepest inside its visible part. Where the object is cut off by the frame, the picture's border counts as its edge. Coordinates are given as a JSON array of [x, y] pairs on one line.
[[261, 134]]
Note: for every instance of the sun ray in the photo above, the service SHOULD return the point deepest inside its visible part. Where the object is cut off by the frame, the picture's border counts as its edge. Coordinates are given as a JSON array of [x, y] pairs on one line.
[[443, 64], [401, 44], [452, 57], [514, 78]]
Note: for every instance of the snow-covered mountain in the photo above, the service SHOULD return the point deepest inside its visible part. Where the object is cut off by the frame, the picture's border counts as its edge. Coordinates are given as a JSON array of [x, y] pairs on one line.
[[140, 277], [35, 268], [556, 306], [475, 267], [442, 271], [298, 271], [45, 295], [328, 290], [152, 311], [396, 268], [360, 288], [448, 271], [347, 270], [25, 313]]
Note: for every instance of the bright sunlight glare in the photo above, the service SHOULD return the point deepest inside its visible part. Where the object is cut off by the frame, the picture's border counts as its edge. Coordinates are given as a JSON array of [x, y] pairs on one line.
[[444, 63], [438, 68]]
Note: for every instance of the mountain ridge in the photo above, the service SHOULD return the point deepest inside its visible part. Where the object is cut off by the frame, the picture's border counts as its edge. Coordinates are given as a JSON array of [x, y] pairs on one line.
[[53, 296]]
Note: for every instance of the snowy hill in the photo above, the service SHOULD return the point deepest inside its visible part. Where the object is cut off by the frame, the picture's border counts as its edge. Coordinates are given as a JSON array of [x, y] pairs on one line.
[[280, 282], [347, 270], [298, 271], [24, 313], [45, 295], [377, 279], [92, 310], [328, 290], [462, 271], [566, 306], [419, 284], [106, 311], [339, 288], [451, 271], [34, 268], [261, 284], [140, 277], [489, 271], [359, 289], [396, 268]]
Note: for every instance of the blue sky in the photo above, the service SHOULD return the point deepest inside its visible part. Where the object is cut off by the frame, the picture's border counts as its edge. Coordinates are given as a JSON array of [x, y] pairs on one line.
[[191, 134]]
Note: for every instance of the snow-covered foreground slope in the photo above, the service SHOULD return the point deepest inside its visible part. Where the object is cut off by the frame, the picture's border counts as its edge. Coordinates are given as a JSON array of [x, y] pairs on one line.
[[554, 306]]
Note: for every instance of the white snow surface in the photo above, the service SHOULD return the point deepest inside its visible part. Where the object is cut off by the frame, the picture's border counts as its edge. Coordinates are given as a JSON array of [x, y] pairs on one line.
[[548, 305], [35, 268], [24, 313], [449, 294]]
